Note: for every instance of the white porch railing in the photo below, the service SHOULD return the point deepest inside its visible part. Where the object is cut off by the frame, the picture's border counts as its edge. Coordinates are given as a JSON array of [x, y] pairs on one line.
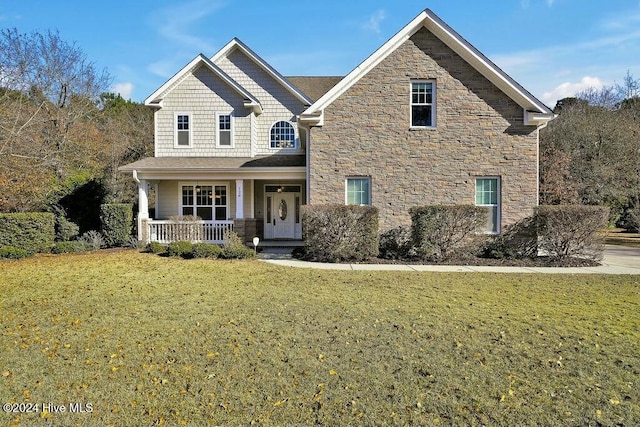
[[167, 231]]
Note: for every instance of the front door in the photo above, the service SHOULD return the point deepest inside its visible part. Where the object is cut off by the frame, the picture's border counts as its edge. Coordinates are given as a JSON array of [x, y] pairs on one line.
[[283, 215]]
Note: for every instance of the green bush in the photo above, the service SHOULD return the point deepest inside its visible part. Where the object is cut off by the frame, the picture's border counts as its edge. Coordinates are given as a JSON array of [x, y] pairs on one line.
[[65, 229], [517, 241], [180, 248], [31, 232], [234, 248], [206, 250], [395, 243], [11, 252], [439, 231], [571, 230], [116, 220], [334, 233], [68, 247], [93, 240], [155, 248]]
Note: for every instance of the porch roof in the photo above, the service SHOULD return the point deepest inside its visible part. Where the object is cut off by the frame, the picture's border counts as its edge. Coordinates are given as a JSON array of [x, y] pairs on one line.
[[291, 166]]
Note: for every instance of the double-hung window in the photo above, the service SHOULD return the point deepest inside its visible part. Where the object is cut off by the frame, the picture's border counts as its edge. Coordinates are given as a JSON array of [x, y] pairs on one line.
[[358, 191], [182, 130], [207, 202], [225, 131], [488, 195], [423, 111]]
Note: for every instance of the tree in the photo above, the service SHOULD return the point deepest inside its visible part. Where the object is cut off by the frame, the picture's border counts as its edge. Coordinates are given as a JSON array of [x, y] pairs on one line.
[[49, 92]]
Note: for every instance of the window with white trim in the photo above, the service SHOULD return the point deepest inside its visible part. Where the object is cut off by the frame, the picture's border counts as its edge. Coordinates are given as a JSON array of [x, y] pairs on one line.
[[358, 191], [422, 104], [282, 135], [182, 130], [205, 201], [225, 130], [488, 195]]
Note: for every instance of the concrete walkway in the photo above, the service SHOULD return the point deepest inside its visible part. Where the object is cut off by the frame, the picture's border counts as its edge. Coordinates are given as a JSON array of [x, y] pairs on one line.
[[617, 260]]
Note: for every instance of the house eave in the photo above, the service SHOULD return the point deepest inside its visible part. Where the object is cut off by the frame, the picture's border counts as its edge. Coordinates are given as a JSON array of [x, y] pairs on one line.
[[534, 118]]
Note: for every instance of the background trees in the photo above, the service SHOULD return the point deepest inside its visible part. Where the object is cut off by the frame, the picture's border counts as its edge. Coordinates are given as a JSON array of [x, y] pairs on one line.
[[62, 136], [590, 153]]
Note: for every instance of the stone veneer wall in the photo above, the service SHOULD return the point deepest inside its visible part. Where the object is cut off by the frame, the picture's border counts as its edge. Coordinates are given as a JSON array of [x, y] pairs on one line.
[[479, 132]]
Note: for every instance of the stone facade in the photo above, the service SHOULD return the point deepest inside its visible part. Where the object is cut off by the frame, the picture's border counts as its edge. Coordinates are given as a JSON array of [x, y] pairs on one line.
[[479, 132]]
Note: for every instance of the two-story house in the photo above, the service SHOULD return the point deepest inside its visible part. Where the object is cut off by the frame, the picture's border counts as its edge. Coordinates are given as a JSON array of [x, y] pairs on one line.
[[426, 119]]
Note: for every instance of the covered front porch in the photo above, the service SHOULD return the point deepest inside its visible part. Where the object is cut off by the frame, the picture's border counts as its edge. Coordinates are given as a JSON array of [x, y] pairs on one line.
[[201, 199]]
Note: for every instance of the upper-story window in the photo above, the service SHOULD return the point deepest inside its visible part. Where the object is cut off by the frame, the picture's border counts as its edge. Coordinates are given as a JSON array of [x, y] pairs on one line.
[[283, 135], [225, 130], [182, 130], [423, 111]]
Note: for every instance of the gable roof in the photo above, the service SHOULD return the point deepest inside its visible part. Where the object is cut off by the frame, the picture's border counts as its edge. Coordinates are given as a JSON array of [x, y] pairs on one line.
[[314, 86], [236, 44], [155, 99], [535, 112]]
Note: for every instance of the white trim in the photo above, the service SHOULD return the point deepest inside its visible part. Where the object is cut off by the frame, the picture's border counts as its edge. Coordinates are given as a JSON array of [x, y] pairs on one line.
[[213, 206], [268, 227], [235, 43], [346, 189], [498, 199], [231, 130], [239, 199], [175, 129], [433, 103], [314, 114]]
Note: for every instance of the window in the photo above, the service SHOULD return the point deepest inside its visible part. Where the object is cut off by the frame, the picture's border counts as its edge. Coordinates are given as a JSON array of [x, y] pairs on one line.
[[488, 195], [183, 130], [358, 191], [283, 135], [422, 106], [205, 201], [225, 136]]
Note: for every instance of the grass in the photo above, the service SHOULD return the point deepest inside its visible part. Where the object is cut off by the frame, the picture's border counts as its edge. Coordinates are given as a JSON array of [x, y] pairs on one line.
[[148, 340], [618, 236]]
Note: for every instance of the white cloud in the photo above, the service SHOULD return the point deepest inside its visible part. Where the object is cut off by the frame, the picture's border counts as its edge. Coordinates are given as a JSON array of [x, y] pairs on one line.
[[125, 89], [568, 89], [373, 24]]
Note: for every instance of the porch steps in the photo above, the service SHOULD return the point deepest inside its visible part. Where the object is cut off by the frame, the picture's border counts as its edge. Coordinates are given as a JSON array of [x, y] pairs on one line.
[[277, 249], [280, 244]]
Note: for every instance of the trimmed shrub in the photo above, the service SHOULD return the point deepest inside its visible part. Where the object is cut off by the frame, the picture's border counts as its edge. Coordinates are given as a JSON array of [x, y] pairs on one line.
[[155, 248], [335, 233], [206, 250], [93, 240], [65, 229], [11, 252], [180, 248], [69, 247], [395, 243], [571, 230], [234, 248], [116, 220], [439, 231], [31, 232], [516, 241]]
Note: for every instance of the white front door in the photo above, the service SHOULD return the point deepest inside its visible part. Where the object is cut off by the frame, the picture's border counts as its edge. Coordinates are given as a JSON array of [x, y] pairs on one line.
[[283, 215]]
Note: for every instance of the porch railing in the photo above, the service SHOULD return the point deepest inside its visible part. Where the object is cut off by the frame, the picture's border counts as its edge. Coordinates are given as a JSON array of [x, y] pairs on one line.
[[167, 231]]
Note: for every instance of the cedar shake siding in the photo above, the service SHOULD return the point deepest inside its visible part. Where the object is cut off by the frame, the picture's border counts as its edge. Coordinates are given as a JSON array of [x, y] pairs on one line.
[[478, 132]]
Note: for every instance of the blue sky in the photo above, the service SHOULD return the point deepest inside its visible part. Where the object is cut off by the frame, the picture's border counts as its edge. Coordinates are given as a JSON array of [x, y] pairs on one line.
[[552, 47]]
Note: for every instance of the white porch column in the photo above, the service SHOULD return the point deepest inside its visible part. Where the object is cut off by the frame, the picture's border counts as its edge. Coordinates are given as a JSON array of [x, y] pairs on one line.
[[239, 199], [143, 206]]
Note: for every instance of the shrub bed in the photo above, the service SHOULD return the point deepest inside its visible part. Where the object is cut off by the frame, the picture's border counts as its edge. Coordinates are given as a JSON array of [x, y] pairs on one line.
[[335, 233], [11, 252], [181, 248], [116, 220], [234, 248], [32, 232], [517, 241], [155, 248], [206, 250], [439, 231], [571, 230], [72, 246]]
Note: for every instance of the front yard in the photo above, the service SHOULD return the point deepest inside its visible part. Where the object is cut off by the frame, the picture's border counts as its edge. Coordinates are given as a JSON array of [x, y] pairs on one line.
[[137, 339]]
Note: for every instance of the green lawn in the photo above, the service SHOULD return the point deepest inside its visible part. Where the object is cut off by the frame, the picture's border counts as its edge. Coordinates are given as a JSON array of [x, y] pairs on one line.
[[147, 340]]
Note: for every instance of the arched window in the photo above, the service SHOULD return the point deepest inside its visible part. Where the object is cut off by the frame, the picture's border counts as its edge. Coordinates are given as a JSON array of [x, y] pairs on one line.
[[283, 135]]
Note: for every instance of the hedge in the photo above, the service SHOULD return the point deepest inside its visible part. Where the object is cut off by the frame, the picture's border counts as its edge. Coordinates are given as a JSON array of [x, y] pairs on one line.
[[32, 232], [571, 230], [439, 231], [334, 233], [116, 220]]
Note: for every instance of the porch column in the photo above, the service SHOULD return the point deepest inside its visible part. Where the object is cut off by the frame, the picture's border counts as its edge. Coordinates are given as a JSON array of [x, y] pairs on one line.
[[143, 209], [239, 199]]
